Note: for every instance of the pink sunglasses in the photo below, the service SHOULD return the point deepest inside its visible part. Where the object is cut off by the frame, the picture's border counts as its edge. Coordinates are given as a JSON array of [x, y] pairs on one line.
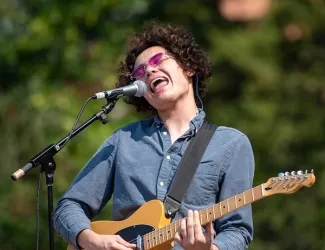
[[153, 62]]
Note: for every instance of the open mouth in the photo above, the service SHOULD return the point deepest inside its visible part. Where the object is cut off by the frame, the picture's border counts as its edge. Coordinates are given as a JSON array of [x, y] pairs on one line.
[[158, 83]]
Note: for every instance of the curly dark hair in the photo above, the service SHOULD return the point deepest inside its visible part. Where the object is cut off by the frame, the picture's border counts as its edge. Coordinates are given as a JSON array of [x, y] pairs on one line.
[[179, 43]]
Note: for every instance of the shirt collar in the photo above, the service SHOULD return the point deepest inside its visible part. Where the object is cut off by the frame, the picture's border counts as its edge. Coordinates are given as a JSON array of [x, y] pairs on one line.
[[195, 123], [157, 122]]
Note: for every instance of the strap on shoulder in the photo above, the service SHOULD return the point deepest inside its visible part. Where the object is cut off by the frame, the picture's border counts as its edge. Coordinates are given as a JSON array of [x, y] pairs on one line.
[[184, 175]]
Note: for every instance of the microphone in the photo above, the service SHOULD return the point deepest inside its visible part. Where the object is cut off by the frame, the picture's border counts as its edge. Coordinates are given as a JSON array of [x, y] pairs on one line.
[[137, 88]]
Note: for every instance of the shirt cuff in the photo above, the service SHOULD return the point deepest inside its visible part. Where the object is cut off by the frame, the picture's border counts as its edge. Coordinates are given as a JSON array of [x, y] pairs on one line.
[[221, 245], [75, 230], [230, 240]]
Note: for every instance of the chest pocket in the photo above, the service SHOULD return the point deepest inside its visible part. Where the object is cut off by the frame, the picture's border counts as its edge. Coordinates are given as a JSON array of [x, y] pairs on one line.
[[204, 186]]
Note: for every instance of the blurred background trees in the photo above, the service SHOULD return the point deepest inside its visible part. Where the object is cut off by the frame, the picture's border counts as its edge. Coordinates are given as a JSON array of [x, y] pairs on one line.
[[268, 81]]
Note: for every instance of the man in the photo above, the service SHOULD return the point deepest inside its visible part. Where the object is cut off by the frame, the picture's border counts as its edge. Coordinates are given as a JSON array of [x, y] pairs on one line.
[[137, 162]]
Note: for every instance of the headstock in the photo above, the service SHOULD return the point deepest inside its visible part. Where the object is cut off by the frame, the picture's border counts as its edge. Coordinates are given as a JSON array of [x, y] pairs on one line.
[[288, 182]]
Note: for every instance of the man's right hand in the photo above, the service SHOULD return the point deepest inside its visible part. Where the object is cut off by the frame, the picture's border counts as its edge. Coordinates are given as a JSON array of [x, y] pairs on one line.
[[89, 240]]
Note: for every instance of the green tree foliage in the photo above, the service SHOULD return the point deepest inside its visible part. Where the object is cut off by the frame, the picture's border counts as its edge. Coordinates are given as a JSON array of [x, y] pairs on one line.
[[268, 82]]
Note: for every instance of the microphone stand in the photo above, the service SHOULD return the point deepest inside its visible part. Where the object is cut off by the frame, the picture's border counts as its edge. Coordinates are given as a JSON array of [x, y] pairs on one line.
[[48, 165]]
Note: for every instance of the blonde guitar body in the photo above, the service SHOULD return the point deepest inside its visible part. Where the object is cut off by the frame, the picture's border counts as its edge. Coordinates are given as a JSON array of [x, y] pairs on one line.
[[151, 213], [148, 227]]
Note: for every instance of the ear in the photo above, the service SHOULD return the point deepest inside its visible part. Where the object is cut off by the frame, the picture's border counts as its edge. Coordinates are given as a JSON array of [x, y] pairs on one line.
[[190, 73]]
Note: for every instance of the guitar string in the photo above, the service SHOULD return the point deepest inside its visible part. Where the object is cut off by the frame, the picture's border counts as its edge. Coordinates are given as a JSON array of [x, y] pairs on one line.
[[133, 241], [142, 237], [203, 210]]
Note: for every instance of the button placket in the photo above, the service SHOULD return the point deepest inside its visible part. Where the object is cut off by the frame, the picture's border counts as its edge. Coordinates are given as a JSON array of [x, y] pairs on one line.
[[166, 168]]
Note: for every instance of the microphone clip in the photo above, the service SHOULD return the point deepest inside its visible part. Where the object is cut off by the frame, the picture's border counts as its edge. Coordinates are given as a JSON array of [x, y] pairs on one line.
[[114, 94]]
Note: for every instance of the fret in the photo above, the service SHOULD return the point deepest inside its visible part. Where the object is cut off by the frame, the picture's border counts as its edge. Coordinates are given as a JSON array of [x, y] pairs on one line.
[[236, 202], [252, 193], [214, 215], [244, 198], [262, 189], [207, 215], [228, 205], [175, 229], [154, 238], [148, 243], [220, 209], [150, 240], [146, 240]]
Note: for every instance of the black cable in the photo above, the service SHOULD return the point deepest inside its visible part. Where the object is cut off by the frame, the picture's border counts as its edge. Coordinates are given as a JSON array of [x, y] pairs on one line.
[[76, 122], [37, 208]]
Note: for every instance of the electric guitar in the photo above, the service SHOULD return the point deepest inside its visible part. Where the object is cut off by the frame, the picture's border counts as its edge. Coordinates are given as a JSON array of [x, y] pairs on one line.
[[148, 227]]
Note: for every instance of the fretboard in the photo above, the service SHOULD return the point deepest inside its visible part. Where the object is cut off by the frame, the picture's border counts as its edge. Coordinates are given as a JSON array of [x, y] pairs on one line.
[[167, 233]]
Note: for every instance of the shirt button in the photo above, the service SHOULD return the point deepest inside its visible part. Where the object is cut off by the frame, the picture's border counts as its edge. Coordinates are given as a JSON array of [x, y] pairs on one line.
[[168, 157], [161, 183], [164, 133]]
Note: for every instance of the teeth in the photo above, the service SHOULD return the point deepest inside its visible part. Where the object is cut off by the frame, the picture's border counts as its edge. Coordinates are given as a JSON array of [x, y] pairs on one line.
[[157, 79], [155, 82]]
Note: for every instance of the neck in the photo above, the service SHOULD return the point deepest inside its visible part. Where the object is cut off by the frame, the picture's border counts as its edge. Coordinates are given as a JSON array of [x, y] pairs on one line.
[[177, 119]]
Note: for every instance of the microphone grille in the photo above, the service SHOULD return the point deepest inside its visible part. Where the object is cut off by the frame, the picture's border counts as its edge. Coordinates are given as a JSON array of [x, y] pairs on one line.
[[142, 88]]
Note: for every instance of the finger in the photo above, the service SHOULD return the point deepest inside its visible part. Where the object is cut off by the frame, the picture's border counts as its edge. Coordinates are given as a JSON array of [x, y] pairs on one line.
[[197, 226], [178, 238], [183, 231], [189, 227], [121, 241], [209, 231], [118, 246]]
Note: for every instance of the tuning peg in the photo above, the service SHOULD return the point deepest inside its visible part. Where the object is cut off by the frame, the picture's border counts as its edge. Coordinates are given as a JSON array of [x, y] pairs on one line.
[[280, 174], [293, 172], [299, 172], [306, 172], [286, 173], [312, 171]]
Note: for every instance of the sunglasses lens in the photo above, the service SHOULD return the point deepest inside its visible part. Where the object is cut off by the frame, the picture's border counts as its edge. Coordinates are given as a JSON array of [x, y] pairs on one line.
[[138, 72], [155, 59]]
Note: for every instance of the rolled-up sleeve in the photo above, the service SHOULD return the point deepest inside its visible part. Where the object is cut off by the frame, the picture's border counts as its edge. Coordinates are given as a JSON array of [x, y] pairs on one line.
[[234, 231], [87, 195]]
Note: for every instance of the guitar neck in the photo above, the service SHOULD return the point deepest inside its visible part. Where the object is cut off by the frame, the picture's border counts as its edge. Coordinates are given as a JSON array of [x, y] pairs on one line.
[[209, 214]]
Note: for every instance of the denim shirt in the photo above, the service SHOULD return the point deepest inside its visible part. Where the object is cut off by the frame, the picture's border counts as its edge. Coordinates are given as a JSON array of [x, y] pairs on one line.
[[138, 162]]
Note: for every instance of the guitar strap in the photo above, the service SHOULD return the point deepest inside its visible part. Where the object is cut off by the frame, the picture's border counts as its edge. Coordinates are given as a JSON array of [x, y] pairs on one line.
[[187, 168]]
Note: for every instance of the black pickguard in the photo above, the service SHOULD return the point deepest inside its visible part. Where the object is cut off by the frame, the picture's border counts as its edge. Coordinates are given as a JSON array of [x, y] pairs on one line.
[[131, 233]]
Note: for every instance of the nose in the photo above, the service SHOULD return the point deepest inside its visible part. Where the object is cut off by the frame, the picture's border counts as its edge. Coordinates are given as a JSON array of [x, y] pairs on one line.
[[150, 70]]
